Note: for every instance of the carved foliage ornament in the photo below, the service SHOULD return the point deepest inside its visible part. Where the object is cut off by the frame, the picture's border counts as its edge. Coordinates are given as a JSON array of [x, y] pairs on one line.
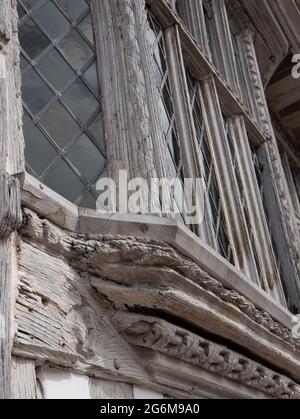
[[161, 336]]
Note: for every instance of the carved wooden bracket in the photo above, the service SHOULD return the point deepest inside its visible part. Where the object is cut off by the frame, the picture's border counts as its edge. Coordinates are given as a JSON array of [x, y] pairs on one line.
[[130, 274]]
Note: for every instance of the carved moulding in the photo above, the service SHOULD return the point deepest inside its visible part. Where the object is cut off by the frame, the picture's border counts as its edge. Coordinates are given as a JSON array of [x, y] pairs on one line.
[[141, 274], [159, 335], [273, 154]]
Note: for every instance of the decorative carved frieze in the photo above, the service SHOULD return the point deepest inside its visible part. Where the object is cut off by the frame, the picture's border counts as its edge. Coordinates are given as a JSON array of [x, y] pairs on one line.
[[158, 335]]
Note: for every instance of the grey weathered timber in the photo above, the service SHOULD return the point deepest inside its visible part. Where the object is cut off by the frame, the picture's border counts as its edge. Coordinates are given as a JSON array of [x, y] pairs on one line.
[[237, 230], [152, 333], [192, 13], [11, 166], [262, 239], [278, 200], [88, 222], [103, 389], [130, 96], [129, 272], [24, 379], [133, 300]]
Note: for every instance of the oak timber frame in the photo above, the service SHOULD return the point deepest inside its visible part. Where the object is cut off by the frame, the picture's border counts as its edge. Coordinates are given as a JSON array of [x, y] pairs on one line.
[[149, 265]]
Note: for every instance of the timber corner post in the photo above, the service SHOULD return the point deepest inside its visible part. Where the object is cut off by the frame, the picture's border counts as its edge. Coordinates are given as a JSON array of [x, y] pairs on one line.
[[11, 171]]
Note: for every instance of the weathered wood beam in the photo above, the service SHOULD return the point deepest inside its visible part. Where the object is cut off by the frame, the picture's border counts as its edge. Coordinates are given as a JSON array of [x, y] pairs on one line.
[[103, 389], [11, 167]]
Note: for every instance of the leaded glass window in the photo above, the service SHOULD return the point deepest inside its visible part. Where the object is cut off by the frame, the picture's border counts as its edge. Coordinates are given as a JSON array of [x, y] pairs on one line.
[[241, 192], [167, 114], [214, 211], [258, 171], [63, 127]]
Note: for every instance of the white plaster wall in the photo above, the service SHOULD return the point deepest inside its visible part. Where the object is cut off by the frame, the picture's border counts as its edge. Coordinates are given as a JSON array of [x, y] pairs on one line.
[[58, 384]]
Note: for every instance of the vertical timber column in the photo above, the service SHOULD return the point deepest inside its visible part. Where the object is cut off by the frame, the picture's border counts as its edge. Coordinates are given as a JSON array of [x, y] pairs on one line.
[[132, 123], [278, 200], [11, 168], [227, 182]]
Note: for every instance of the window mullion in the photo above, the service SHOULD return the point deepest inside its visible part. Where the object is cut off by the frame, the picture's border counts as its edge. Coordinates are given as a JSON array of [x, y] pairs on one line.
[[183, 112], [227, 182]]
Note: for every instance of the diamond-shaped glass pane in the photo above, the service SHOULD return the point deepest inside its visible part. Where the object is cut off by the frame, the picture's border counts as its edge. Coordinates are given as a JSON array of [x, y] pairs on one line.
[[29, 4], [76, 50], [23, 62], [73, 8], [91, 77], [81, 101], [47, 15], [32, 39], [65, 181], [63, 73], [85, 156], [38, 145], [60, 125], [35, 92], [86, 26], [164, 117], [97, 130], [89, 202], [21, 11], [26, 120]]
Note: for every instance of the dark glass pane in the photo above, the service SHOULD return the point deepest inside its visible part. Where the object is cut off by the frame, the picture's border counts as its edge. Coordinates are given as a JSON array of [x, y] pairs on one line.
[[158, 74], [35, 92], [86, 27], [52, 20], [85, 156], [172, 172], [76, 50], [165, 120], [60, 125], [91, 77], [73, 8], [29, 4], [89, 202], [64, 181], [26, 120], [159, 59], [38, 151], [32, 40], [97, 130], [21, 11], [151, 35], [55, 68], [81, 101], [23, 62]]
